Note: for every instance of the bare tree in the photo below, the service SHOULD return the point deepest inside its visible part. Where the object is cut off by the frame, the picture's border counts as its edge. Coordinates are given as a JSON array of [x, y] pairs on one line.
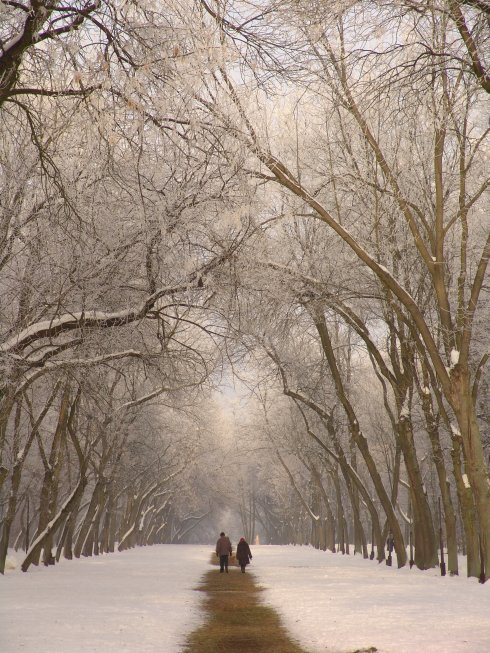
[[434, 221]]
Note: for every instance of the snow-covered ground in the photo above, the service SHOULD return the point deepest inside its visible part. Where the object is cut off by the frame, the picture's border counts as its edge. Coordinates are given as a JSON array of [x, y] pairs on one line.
[[331, 602], [137, 601], [143, 601]]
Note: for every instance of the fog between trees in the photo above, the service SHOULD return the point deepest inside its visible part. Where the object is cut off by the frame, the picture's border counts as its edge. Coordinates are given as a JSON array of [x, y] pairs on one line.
[[292, 194]]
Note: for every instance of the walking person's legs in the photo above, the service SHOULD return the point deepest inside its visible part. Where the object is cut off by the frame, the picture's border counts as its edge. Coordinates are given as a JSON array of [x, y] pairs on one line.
[[222, 562]]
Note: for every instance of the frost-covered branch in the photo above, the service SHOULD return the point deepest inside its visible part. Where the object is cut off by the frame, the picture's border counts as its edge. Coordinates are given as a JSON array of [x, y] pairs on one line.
[[96, 319]]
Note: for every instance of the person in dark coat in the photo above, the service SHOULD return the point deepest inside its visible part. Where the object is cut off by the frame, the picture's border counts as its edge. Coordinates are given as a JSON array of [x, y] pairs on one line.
[[223, 550], [243, 554]]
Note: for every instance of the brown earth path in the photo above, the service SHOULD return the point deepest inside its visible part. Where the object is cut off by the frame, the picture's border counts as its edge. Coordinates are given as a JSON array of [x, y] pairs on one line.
[[237, 621]]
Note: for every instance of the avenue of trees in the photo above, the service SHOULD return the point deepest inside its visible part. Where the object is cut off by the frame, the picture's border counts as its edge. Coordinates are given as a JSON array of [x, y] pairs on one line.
[[293, 193]]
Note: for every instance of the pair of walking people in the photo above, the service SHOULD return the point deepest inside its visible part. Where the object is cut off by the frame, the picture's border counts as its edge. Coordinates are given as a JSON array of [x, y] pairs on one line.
[[224, 551]]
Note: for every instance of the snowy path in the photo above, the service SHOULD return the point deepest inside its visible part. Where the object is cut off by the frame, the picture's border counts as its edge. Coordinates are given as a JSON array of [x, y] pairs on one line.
[[143, 601]]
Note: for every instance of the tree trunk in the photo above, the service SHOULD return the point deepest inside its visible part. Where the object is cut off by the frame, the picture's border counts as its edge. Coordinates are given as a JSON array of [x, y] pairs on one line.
[[49, 489], [20, 457], [467, 511], [36, 547], [10, 514], [341, 522], [423, 528], [476, 467], [128, 538], [360, 542], [350, 476], [329, 525], [444, 486], [71, 523], [105, 536], [88, 520], [359, 438]]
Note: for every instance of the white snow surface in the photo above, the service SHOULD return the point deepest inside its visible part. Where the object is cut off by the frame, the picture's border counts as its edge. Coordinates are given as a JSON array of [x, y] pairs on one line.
[[137, 601], [144, 601], [336, 603]]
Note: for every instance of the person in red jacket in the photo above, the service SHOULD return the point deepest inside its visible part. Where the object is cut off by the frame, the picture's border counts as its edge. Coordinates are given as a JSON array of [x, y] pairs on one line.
[[223, 550], [243, 554]]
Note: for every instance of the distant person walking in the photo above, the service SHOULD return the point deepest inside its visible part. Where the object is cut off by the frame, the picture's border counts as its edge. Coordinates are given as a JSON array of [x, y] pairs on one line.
[[223, 550], [243, 554]]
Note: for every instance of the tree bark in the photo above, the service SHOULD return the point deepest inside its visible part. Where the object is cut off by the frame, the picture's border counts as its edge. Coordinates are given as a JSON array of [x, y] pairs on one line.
[[359, 438], [36, 547]]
